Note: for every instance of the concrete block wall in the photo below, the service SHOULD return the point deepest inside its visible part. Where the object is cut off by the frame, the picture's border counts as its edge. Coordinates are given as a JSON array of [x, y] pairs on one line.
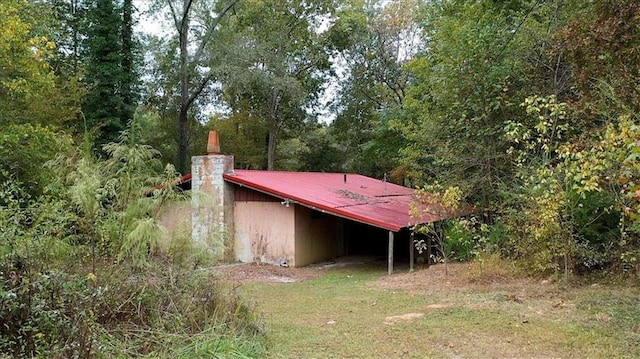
[[212, 204]]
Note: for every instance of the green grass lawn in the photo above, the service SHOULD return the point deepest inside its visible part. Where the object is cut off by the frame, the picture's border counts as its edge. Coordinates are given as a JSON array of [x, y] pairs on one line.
[[359, 312]]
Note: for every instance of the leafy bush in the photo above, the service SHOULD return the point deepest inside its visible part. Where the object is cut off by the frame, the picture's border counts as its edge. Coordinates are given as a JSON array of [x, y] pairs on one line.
[[45, 314], [162, 310], [538, 241], [595, 230], [24, 150], [83, 274], [577, 207], [470, 238], [459, 241]]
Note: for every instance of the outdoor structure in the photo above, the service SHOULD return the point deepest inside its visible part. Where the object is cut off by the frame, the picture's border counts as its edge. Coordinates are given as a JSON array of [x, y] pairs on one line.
[[299, 218]]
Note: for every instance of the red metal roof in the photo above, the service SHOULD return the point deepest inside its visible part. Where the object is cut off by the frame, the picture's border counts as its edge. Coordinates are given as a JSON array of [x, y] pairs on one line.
[[359, 198]]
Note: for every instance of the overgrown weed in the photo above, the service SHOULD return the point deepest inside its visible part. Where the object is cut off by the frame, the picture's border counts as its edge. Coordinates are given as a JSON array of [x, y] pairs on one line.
[[122, 311], [492, 268], [87, 270]]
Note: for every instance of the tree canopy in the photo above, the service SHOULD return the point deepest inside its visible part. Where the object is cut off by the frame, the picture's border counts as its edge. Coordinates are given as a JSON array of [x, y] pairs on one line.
[[527, 109]]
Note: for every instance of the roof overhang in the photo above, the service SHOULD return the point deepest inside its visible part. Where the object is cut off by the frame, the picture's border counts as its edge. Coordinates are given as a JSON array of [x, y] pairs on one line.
[[358, 198]]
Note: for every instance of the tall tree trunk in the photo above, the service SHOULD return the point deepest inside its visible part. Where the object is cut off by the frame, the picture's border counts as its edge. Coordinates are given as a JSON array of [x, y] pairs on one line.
[[274, 126], [271, 147], [75, 36], [129, 76], [183, 141], [188, 72], [183, 119]]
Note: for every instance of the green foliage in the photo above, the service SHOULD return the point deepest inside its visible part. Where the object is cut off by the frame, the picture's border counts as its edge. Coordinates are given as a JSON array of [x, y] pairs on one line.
[[57, 314], [118, 213], [282, 68], [538, 139], [600, 45], [459, 242], [610, 165], [574, 206], [45, 315], [595, 228], [315, 150], [155, 129], [187, 311], [245, 137], [24, 152], [437, 201], [188, 65], [538, 222], [324, 154], [185, 253], [470, 238], [43, 231], [464, 89], [110, 74], [87, 270], [569, 212], [30, 91], [373, 40]]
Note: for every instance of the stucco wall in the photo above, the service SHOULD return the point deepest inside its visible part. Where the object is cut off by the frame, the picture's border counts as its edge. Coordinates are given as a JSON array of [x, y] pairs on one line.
[[264, 232], [316, 237], [176, 216]]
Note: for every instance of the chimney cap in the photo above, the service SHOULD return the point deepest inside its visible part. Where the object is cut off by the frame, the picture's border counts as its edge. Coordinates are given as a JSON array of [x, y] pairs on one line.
[[213, 143]]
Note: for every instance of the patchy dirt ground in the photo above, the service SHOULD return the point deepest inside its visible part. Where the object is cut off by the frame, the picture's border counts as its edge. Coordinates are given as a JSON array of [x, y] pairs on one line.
[[462, 277], [267, 273], [439, 277]]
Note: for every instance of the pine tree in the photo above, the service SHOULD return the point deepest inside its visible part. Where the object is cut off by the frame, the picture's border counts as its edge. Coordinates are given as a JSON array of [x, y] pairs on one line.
[[110, 75], [129, 81]]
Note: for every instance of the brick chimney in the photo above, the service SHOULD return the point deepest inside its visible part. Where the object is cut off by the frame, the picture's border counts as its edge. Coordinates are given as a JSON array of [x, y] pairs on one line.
[[212, 200]]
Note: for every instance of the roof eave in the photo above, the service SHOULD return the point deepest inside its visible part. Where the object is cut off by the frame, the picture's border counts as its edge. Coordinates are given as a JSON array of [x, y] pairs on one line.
[[334, 211]]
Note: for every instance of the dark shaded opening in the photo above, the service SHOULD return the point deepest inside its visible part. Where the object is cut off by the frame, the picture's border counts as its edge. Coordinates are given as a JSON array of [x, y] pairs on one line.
[[363, 239]]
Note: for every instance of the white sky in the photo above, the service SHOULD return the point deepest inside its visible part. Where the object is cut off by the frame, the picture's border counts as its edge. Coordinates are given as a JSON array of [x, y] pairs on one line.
[[146, 23]]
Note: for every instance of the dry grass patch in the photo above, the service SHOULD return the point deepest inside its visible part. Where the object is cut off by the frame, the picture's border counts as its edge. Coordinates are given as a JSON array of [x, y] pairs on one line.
[[265, 273], [359, 312]]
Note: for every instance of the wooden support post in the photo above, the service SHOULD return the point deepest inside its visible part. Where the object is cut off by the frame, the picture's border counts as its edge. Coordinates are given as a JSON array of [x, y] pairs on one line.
[[411, 250], [390, 263], [428, 250]]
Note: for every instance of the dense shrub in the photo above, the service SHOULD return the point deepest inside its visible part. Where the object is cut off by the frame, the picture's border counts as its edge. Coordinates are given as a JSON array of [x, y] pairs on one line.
[[118, 312], [459, 244], [24, 150], [83, 272], [595, 229], [471, 238]]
